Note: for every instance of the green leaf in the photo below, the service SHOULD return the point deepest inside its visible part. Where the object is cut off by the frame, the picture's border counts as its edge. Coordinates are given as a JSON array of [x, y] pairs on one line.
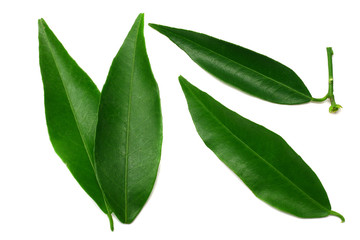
[[71, 106], [244, 69], [129, 131], [262, 159]]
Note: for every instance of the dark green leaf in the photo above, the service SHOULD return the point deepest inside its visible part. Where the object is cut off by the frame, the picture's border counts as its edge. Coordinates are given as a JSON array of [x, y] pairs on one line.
[[129, 130], [261, 158], [249, 71], [71, 106]]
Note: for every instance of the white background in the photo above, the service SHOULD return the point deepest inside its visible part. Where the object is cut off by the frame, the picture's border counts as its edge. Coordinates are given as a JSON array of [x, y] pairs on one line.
[[196, 196]]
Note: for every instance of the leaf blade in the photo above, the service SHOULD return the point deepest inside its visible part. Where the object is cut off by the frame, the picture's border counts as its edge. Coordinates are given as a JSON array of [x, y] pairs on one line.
[[244, 69], [261, 158], [129, 118], [71, 105]]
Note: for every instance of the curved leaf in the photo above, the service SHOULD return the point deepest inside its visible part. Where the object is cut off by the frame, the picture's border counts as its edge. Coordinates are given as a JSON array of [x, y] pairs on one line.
[[71, 106], [261, 158], [129, 130], [244, 69]]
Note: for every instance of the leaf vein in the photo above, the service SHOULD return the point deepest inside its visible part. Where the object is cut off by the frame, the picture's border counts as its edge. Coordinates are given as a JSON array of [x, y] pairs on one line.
[[128, 129]]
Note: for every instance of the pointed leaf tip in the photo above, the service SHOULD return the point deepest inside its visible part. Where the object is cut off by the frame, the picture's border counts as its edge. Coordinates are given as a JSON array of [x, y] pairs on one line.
[[153, 25], [183, 82], [42, 23], [140, 18], [181, 79], [160, 28]]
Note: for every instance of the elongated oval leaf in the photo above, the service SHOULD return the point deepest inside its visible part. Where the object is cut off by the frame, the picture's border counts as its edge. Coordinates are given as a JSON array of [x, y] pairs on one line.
[[262, 159], [244, 69], [129, 130], [71, 106]]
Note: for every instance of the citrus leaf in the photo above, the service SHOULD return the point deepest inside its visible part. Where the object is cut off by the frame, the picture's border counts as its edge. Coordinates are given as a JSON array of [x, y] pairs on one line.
[[262, 159], [244, 69], [129, 131], [71, 107]]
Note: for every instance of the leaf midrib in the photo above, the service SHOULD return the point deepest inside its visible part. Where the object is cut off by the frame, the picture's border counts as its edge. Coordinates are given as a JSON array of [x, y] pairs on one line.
[[128, 129], [247, 146], [236, 63]]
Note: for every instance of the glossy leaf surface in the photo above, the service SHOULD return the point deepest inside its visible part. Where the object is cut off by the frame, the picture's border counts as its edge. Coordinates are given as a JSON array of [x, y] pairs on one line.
[[71, 106], [262, 159], [129, 130], [244, 69]]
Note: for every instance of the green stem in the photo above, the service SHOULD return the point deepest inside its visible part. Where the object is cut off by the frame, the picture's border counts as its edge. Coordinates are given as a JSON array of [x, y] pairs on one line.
[[111, 221], [108, 210], [108, 213], [337, 215], [320, 99], [330, 94]]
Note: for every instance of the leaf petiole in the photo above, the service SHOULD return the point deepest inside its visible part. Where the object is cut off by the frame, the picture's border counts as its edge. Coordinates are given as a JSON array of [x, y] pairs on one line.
[[330, 94], [108, 212], [336, 214], [110, 220]]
